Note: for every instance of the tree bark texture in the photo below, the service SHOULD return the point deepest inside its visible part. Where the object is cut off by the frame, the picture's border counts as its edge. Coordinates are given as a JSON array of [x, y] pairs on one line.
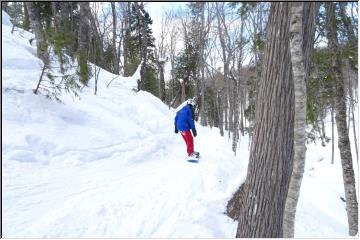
[[126, 43], [262, 201], [115, 59], [83, 28], [34, 15], [26, 23], [298, 25], [340, 117]]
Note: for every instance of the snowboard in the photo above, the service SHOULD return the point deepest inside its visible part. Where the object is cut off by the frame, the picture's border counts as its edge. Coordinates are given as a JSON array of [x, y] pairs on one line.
[[193, 159]]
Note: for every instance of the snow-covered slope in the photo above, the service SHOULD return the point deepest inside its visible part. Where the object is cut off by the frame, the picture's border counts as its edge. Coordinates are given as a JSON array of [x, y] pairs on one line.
[[105, 166], [111, 165]]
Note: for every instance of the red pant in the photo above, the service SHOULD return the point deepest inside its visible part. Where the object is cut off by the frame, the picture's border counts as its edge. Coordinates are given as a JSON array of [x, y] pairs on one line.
[[188, 138]]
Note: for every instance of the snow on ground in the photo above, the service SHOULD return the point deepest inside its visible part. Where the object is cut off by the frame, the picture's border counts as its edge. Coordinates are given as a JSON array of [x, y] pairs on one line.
[[105, 166], [111, 165], [321, 213]]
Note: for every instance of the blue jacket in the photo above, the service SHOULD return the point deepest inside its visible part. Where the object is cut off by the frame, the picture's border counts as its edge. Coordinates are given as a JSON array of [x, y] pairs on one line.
[[184, 119]]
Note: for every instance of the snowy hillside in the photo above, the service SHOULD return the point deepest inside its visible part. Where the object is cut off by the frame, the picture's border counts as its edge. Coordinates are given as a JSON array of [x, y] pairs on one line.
[[111, 165]]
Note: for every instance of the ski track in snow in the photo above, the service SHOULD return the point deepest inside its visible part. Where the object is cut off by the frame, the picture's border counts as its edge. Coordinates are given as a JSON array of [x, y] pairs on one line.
[[112, 191]]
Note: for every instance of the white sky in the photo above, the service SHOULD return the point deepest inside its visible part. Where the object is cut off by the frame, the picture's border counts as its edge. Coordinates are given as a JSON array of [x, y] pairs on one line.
[[156, 10]]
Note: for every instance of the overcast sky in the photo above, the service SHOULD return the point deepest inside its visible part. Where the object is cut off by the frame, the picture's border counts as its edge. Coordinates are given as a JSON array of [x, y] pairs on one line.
[[156, 10]]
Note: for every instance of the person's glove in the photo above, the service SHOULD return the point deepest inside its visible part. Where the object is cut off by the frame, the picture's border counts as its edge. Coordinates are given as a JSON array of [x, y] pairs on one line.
[[176, 131], [194, 132]]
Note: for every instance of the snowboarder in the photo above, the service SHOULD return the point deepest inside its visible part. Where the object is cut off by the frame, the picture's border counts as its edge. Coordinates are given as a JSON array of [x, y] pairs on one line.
[[184, 122]]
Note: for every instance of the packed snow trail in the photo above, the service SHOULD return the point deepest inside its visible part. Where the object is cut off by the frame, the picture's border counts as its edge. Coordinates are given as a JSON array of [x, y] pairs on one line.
[[130, 193]]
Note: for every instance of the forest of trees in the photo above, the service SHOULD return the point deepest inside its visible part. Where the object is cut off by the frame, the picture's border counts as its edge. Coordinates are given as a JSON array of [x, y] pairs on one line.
[[273, 71]]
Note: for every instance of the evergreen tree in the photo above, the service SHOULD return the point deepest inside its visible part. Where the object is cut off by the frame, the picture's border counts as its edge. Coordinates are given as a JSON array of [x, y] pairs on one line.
[[185, 69], [141, 44]]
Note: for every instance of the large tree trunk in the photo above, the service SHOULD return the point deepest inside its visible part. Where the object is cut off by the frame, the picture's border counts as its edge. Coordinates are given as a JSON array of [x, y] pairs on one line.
[[26, 23], [83, 41], [126, 12], [115, 59], [302, 17], [34, 15], [67, 23], [262, 199], [340, 117], [83, 27]]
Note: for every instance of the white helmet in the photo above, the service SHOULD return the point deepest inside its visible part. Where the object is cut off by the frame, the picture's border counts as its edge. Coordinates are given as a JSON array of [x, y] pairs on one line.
[[191, 101]]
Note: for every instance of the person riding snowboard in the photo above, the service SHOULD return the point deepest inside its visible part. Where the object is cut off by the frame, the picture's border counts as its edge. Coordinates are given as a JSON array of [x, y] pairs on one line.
[[184, 122]]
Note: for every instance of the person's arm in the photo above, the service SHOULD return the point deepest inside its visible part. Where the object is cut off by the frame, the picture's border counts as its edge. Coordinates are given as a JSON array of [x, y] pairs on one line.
[[176, 117], [191, 121]]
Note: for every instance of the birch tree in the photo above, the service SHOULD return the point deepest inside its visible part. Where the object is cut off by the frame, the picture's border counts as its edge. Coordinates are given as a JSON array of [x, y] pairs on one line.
[[340, 117], [302, 21], [115, 59]]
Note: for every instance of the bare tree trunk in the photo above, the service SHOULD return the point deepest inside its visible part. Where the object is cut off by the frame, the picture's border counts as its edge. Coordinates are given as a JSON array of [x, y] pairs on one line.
[[121, 65], [220, 114], [40, 79], [201, 38], [83, 42], [115, 59], [237, 91], [235, 136], [95, 32], [54, 9], [16, 16], [350, 34], [332, 135], [263, 197], [226, 55], [202, 113], [161, 64], [354, 125], [26, 23], [144, 46], [243, 105], [67, 23], [5, 6], [323, 133], [183, 94], [297, 16], [37, 27], [340, 110], [126, 12], [348, 117]]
